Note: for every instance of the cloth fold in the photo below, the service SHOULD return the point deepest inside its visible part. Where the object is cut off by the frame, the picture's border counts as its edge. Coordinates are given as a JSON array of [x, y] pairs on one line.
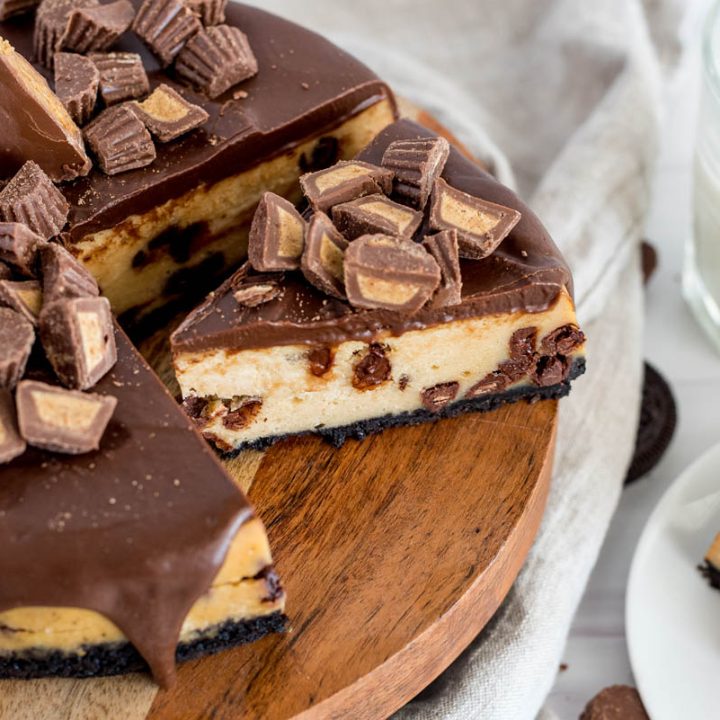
[[562, 99]]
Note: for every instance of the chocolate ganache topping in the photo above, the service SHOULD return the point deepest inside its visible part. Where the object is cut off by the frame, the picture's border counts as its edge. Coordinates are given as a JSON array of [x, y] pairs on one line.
[[525, 273], [135, 531], [304, 86]]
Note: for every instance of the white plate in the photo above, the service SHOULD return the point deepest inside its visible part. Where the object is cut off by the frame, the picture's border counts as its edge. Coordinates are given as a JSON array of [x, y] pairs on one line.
[[672, 613]]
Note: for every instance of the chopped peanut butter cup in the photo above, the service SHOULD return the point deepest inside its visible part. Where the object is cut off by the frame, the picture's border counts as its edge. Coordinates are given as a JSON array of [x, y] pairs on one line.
[[64, 276], [373, 215], [35, 125], [416, 164], [79, 340], [51, 25], [345, 181], [63, 421], [390, 273], [120, 140], [11, 444], [25, 297], [444, 248], [19, 247], [438, 396], [76, 83], [165, 26], [210, 12], [96, 28], [122, 76], [11, 8], [168, 115], [481, 225], [16, 342], [277, 235], [217, 58], [322, 261]]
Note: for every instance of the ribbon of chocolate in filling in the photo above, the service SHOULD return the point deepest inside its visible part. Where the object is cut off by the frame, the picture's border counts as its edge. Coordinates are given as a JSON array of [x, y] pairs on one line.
[[154, 480]]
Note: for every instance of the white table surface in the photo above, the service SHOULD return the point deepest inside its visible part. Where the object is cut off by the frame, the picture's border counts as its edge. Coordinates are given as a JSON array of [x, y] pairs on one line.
[[596, 654]]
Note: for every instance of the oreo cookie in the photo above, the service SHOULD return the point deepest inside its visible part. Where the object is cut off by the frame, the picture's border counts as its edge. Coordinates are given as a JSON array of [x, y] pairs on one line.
[[658, 418]]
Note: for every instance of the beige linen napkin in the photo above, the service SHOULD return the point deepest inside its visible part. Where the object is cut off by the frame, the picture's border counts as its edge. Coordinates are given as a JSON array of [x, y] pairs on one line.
[[563, 98]]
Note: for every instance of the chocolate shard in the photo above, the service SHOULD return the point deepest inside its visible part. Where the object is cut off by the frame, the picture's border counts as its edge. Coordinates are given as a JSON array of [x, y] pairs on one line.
[[375, 215], [120, 140], [345, 181], [416, 164], [79, 340], [59, 420], [389, 273], [210, 12], [122, 76], [76, 83], [64, 277], [24, 296], [165, 26], [96, 28], [51, 24], [443, 246], [19, 247], [277, 235], [481, 225], [30, 198], [257, 293], [35, 125], [217, 58], [168, 115], [11, 443], [11, 8], [323, 258], [17, 336]]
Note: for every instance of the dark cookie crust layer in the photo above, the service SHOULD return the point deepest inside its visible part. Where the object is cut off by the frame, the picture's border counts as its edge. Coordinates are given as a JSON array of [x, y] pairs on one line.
[[483, 403], [120, 658], [711, 574]]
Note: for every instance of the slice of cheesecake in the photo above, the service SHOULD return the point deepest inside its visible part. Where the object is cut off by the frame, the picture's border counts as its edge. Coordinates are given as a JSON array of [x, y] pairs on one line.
[[378, 330], [711, 569], [136, 555], [163, 233]]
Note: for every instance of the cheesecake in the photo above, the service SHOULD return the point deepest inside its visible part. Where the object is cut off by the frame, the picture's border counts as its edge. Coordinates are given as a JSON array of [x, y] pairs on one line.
[[711, 568], [420, 288], [174, 220]]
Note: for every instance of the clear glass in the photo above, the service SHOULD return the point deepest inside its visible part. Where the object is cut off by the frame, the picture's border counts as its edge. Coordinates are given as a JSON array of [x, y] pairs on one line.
[[701, 275]]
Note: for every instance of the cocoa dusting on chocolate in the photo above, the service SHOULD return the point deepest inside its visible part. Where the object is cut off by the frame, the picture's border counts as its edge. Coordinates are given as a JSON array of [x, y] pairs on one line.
[[563, 340], [437, 397], [320, 360], [373, 370]]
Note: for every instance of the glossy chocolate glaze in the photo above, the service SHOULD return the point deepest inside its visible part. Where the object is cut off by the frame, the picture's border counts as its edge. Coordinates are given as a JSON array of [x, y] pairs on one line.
[[305, 85], [526, 273], [136, 531]]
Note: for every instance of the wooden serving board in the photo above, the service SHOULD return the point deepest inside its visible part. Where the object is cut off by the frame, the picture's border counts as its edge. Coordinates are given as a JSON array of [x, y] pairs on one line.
[[395, 552]]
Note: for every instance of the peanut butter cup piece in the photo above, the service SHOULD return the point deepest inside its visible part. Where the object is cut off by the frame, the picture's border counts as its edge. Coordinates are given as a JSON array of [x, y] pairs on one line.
[[64, 277], [437, 397], [122, 76], [165, 26], [79, 340], [373, 215], [120, 140], [168, 115], [217, 58], [416, 164], [24, 297], [59, 420], [51, 26], [16, 342], [96, 28], [277, 235], [11, 444], [210, 12], [11, 8], [30, 198], [322, 260], [481, 225], [443, 246], [76, 84], [19, 247], [35, 125], [343, 182], [389, 273]]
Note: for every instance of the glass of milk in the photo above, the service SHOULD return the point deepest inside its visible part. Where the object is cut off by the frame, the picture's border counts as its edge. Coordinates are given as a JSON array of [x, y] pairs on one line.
[[701, 276]]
